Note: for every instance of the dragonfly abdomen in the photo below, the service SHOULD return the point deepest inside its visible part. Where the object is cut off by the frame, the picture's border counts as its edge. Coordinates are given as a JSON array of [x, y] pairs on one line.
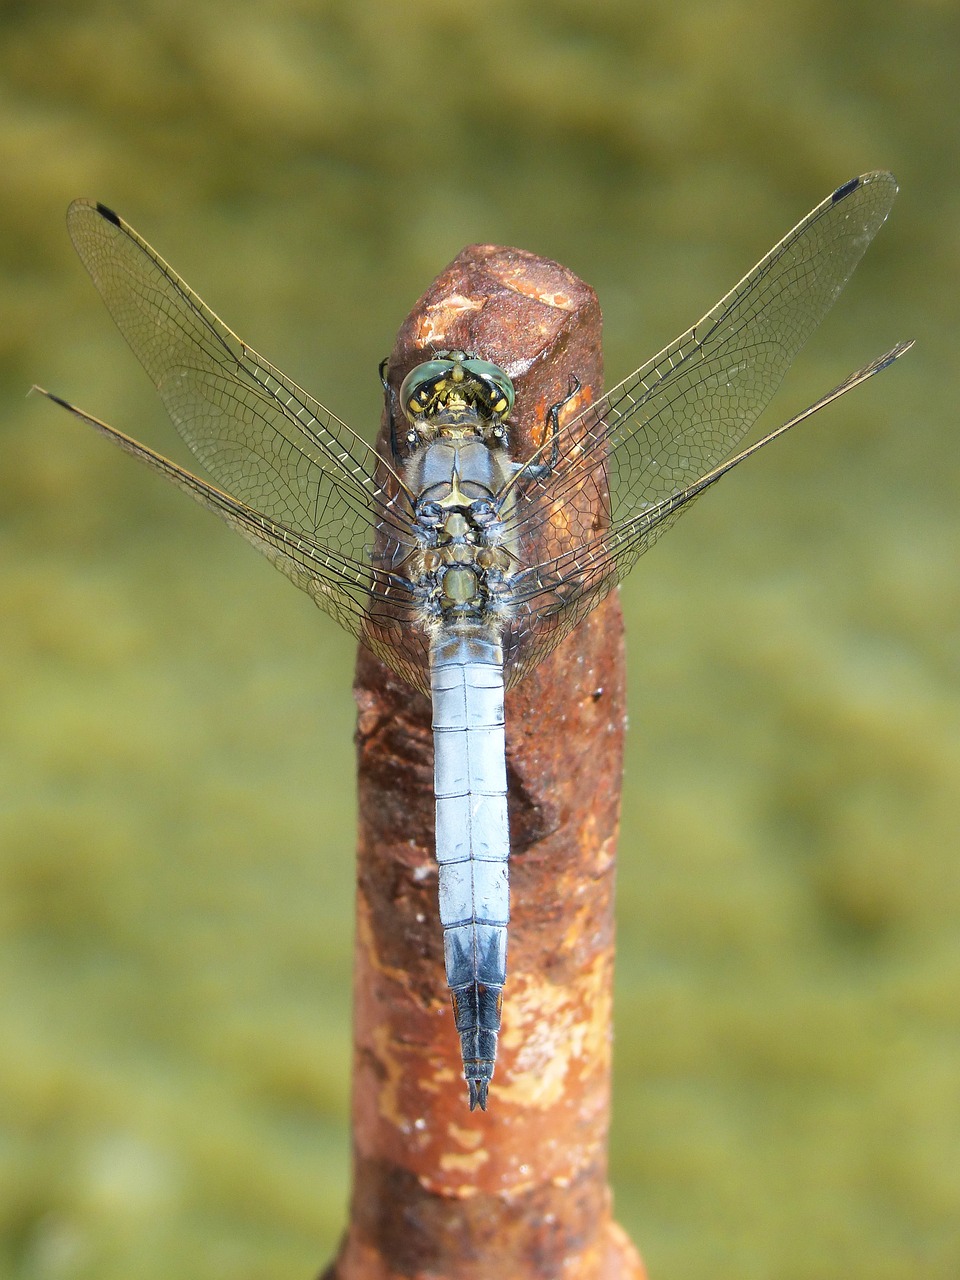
[[473, 842]]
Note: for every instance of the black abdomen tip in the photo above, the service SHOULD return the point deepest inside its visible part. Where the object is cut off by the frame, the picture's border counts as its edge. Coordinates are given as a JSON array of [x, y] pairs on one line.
[[478, 1093]]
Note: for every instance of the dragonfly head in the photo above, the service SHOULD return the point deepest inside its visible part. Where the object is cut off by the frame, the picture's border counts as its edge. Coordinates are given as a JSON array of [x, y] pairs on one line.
[[457, 394]]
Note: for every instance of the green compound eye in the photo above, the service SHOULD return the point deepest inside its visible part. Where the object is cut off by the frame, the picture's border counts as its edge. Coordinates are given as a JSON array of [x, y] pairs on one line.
[[426, 387], [498, 384], [422, 385], [420, 381]]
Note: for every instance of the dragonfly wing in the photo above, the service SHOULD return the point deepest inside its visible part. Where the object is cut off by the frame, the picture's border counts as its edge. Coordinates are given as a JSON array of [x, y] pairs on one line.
[[635, 460], [682, 412], [368, 601], [259, 435], [550, 598]]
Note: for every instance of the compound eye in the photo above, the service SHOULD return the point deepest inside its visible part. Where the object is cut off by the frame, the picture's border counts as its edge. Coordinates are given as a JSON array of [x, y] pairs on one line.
[[421, 386], [499, 387]]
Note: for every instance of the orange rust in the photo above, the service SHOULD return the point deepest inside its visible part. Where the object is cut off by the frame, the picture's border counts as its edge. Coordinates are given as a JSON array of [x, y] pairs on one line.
[[520, 1190]]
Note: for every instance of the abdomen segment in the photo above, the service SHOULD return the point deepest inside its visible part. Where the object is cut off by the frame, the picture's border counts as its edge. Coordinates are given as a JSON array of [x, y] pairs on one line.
[[473, 842]]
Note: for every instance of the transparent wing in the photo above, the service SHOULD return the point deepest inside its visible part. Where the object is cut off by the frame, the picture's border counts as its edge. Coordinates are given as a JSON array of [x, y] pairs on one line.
[[300, 484], [685, 410], [367, 601], [632, 462], [550, 598], [255, 431]]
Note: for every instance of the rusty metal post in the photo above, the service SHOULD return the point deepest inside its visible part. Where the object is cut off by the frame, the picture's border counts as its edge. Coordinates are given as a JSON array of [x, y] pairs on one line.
[[520, 1190]]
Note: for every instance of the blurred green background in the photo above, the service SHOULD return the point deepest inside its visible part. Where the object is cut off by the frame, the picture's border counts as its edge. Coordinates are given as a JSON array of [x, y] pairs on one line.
[[176, 814]]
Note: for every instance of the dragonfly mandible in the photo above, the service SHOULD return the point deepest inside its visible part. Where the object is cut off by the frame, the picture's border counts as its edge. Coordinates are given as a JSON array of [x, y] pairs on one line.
[[432, 552]]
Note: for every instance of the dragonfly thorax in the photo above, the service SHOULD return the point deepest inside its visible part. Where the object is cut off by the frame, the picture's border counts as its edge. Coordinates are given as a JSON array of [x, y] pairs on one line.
[[461, 562]]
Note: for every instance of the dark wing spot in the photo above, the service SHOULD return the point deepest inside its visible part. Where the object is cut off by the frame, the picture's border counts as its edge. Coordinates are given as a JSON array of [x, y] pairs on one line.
[[108, 214], [841, 193]]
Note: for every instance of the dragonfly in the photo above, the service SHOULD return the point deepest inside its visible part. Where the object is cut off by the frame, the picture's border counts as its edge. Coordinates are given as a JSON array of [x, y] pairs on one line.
[[443, 552]]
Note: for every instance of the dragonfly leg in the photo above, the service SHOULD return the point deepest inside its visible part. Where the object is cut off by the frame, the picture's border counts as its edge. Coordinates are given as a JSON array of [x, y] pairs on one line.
[[539, 470], [391, 422]]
